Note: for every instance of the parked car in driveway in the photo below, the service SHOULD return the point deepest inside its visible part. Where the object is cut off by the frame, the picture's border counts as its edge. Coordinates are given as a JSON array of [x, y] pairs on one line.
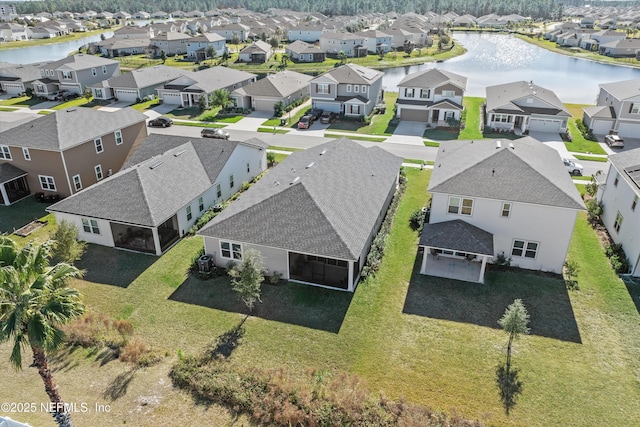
[[614, 141], [53, 95], [573, 167], [214, 133], [316, 113], [162, 122], [305, 122], [328, 117]]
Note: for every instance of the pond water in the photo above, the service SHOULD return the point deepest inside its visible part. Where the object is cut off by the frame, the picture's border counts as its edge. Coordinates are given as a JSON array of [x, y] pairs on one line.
[[501, 58], [49, 52]]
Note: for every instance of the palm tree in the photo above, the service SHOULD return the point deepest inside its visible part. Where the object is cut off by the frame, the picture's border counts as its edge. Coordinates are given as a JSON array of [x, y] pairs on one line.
[[34, 302], [220, 98]]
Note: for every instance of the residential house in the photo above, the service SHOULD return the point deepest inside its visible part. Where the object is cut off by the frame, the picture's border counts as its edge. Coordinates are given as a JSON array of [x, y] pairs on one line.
[[464, 21], [431, 96], [308, 33], [350, 89], [617, 109], [523, 106], [587, 22], [619, 196], [66, 151], [402, 37], [74, 73], [573, 38], [16, 79], [228, 31], [198, 46], [116, 46], [313, 217], [171, 43], [285, 87], [161, 192], [256, 52], [194, 14], [187, 89], [594, 40], [494, 198], [178, 14], [122, 15], [44, 32], [136, 84], [376, 41], [621, 48], [352, 45], [141, 15], [10, 31], [133, 32], [300, 51], [159, 15]]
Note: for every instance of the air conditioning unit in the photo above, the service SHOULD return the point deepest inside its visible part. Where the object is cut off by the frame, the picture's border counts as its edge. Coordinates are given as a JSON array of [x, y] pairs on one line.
[[205, 262]]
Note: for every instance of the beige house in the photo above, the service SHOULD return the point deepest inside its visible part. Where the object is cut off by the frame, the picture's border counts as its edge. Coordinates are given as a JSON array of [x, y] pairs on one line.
[[64, 152]]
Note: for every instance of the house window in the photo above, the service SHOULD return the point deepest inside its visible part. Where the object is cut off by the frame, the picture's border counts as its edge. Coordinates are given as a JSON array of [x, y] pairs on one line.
[[231, 250], [248, 167], [616, 180], [5, 153], [460, 206], [356, 88], [47, 183], [104, 69], [348, 88], [90, 226], [66, 75], [118, 135], [219, 190], [94, 72], [448, 115], [634, 203], [46, 73], [231, 181], [98, 143], [503, 118], [618, 223], [322, 88], [77, 183], [506, 210], [98, 170], [98, 93], [189, 214], [448, 93], [635, 108], [525, 249], [26, 154], [354, 109], [201, 204], [363, 89], [425, 93]]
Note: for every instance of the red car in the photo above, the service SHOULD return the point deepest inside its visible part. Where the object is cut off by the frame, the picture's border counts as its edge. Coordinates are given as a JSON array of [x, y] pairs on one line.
[[305, 122]]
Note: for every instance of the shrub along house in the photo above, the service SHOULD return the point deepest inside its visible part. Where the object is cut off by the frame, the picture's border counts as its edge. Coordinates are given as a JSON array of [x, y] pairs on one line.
[[313, 217], [164, 188]]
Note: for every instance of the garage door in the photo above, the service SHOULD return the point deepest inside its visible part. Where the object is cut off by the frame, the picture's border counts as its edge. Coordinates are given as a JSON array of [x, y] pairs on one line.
[[127, 95], [13, 89], [545, 125], [414, 115], [601, 127], [263, 105], [172, 98], [328, 106], [629, 130]]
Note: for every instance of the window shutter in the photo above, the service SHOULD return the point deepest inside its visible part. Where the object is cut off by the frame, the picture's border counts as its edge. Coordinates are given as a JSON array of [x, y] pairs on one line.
[[631, 107], [329, 86], [316, 87]]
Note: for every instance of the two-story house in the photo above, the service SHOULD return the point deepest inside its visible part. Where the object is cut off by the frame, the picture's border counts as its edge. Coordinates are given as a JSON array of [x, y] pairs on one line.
[[352, 45], [620, 196], [524, 106], [431, 96], [228, 31], [307, 33], [496, 198], [198, 47], [161, 191], [351, 89], [617, 109], [74, 73], [66, 151], [171, 43], [16, 79], [376, 41]]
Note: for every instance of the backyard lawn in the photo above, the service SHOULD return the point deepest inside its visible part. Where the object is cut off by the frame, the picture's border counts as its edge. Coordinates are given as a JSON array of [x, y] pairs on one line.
[[434, 341]]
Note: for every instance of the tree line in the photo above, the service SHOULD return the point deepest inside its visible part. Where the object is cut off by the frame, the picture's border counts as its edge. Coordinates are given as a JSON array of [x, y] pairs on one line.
[[546, 9]]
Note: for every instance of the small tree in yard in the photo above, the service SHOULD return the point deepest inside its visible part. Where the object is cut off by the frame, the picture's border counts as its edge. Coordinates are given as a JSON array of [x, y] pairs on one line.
[[220, 98], [247, 277], [67, 248], [514, 322]]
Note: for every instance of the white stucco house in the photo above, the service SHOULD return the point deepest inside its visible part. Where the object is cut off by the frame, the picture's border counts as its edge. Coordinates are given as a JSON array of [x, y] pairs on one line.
[[164, 187], [617, 109], [495, 197], [313, 217], [620, 195]]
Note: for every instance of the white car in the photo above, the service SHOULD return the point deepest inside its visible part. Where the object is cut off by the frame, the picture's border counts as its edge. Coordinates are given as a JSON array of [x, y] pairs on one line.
[[573, 167], [614, 141]]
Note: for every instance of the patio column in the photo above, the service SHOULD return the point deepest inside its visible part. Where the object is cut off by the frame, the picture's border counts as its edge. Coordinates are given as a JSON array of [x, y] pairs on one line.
[[482, 267], [423, 266], [156, 241], [4, 195], [351, 276]]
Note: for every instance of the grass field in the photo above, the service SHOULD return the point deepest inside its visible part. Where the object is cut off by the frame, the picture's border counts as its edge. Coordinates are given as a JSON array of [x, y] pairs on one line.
[[434, 341], [474, 113]]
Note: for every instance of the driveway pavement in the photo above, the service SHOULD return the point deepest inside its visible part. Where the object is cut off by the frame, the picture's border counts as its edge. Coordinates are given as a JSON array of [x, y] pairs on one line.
[[409, 133]]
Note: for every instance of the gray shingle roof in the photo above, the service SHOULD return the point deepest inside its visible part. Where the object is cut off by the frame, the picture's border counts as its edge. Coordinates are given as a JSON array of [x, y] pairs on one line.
[[81, 61], [67, 128], [353, 73], [503, 97], [278, 85], [433, 78], [146, 195], [623, 89], [600, 111], [324, 200], [144, 77], [531, 172], [213, 78], [457, 235], [629, 160], [9, 172]]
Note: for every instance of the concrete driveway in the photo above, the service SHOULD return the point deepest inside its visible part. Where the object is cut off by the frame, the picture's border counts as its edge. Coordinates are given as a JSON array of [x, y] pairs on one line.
[[409, 133]]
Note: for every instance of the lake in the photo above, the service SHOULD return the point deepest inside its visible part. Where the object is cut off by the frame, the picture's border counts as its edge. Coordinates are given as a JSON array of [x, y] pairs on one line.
[[501, 58], [49, 52]]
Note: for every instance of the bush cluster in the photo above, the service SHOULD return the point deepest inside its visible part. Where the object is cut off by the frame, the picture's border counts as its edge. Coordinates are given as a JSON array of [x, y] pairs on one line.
[[417, 218], [586, 133], [318, 398], [617, 258]]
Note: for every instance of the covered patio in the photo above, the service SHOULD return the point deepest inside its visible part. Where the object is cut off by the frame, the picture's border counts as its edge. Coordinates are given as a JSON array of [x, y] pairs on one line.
[[455, 250], [331, 272], [13, 184]]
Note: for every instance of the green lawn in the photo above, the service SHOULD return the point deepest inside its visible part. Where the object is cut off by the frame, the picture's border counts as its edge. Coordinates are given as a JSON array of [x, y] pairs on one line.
[[145, 105], [279, 148], [472, 106], [21, 101], [579, 143], [592, 158], [354, 137], [272, 130], [76, 102], [434, 341], [198, 124], [9, 109], [380, 123], [21, 213]]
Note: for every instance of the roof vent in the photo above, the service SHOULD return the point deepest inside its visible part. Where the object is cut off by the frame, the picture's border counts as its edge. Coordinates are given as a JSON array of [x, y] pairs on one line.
[[276, 183], [323, 152], [498, 144], [311, 164], [179, 153], [296, 179], [70, 110], [513, 147], [155, 165]]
